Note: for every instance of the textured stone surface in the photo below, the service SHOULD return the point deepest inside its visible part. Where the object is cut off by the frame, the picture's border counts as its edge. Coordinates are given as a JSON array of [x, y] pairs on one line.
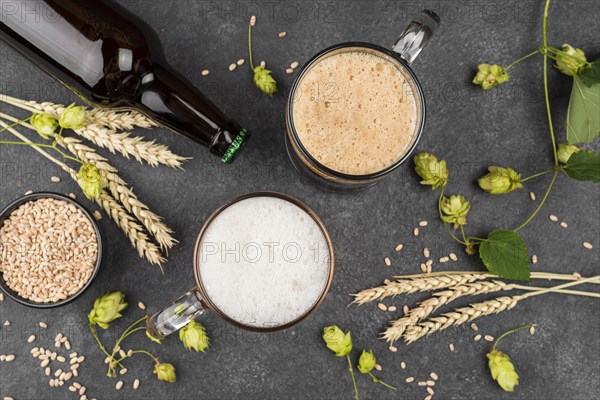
[[469, 128]]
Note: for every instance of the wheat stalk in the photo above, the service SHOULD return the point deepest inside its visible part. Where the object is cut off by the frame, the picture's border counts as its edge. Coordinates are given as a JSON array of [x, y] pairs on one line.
[[133, 231], [101, 128], [121, 191], [111, 118], [407, 284], [426, 307], [474, 311], [423, 284], [534, 275]]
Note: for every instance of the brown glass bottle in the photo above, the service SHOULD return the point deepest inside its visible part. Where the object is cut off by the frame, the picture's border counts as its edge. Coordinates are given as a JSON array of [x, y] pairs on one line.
[[111, 58]]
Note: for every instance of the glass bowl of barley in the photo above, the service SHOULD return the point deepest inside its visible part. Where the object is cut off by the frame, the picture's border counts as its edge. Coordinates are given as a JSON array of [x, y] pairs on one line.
[[50, 250]]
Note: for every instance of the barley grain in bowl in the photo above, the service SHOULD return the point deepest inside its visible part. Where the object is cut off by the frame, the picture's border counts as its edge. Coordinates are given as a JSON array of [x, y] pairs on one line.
[[50, 250]]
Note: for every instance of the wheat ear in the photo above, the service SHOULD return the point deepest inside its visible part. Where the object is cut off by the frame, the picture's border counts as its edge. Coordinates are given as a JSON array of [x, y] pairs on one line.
[[101, 128], [142, 150], [426, 307], [423, 284], [474, 311], [140, 241], [460, 316], [121, 191]]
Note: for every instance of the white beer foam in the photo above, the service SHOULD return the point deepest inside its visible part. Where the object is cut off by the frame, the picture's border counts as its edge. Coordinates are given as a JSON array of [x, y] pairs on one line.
[[264, 262]]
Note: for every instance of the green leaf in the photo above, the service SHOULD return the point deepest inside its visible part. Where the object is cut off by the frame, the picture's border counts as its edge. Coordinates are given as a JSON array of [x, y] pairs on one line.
[[592, 77], [584, 166], [504, 253], [583, 115]]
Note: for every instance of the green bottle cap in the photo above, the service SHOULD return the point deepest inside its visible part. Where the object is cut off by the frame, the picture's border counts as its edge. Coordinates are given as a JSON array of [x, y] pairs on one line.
[[235, 146]]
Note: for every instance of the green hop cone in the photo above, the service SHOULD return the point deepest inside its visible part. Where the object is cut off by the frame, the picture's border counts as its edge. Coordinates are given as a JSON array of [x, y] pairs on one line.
[[500, 180], [571, 61], [432, 172], [90, 181], [455, 210], [264, 80], [107, 308], [489, 76], [503, 370], [337, 341], [366, 362], [194, 337], [73, 117], [165, 372], [565, 151], [44, 124]]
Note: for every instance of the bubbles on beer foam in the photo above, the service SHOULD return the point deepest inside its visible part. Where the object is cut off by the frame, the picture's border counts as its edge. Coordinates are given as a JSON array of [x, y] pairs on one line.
[[264, 262], [361, 114]]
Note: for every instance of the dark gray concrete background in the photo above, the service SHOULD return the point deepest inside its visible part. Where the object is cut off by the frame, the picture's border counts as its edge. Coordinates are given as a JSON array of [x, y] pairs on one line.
[[469, 128]]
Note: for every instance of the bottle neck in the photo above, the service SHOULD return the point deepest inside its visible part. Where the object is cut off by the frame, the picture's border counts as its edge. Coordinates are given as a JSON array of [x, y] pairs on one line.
[[174, 102]]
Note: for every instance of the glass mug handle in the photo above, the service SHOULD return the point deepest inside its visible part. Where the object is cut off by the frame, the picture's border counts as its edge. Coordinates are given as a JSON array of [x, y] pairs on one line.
[[176, 315], [416, 35]]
